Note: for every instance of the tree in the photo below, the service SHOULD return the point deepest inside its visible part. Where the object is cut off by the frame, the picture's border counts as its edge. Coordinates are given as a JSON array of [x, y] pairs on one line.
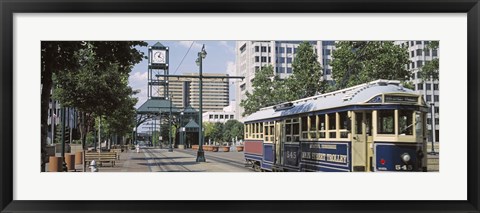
[[217, 132], [306, 79], [60, 57], [232, 129], [357, 62], [263, 94], [209, 128], [430, 69]]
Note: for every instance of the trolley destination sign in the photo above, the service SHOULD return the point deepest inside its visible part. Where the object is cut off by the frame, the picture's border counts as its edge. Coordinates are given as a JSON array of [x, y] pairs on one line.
[[401, 99]]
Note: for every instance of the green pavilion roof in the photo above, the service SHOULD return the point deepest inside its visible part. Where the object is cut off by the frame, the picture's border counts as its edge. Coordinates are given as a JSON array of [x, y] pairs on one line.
[[155, 106]]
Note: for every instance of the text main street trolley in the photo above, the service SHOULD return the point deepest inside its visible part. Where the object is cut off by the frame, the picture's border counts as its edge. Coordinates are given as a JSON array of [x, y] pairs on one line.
[[377, 126]]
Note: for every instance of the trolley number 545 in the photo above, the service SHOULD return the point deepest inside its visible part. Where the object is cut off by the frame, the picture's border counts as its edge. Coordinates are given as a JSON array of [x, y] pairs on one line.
[[403, 167]]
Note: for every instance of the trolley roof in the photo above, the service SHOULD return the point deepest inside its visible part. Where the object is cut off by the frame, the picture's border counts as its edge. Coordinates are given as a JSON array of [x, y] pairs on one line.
[[359, 94]]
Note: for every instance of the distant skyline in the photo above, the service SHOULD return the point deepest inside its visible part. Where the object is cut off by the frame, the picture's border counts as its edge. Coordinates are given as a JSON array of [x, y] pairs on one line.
[[220, 59]]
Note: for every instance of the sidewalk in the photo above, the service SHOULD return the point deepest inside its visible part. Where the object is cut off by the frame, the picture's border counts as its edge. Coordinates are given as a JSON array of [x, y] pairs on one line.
[[130, 161]]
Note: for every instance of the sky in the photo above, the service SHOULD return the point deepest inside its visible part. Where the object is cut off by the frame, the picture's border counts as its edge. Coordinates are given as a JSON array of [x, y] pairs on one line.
[[220, 59]]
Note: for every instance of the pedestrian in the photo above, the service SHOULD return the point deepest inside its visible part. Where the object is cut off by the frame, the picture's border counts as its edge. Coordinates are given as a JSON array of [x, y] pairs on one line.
[[138, 148]]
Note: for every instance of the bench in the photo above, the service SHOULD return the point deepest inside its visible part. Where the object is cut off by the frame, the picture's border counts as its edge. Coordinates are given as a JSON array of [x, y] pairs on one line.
[[118, 151], [101, 157]]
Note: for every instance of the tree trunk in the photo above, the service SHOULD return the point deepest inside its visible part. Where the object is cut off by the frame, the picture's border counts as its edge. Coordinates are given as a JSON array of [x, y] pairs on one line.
[[46, 80], [82, 129]]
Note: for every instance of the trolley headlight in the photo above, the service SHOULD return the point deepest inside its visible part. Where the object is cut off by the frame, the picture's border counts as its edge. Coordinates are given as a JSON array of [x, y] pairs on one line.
[[405, 157]]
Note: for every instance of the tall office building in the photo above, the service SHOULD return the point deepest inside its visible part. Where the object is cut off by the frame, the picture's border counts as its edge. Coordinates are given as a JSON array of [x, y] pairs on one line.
[[252, 55], [185, 91], [419, 55]]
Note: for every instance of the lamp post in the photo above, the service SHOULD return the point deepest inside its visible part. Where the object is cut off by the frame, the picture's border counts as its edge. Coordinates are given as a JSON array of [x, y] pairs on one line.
[[170, 148], [432, 116], [182, 129], [200, 154]]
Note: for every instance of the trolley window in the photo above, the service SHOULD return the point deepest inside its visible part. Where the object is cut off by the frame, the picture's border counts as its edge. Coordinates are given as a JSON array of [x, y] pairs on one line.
[[313, 126], [304, 127], [332, 125], [405, 122], [344, 127], [322, 126], [386, 122], [419, 117]]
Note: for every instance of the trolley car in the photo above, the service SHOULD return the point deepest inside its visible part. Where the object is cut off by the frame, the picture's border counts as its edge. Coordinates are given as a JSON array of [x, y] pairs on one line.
[[377, 126]]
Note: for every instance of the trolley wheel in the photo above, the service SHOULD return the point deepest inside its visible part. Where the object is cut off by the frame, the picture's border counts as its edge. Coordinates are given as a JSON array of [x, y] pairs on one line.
[[256, 167]]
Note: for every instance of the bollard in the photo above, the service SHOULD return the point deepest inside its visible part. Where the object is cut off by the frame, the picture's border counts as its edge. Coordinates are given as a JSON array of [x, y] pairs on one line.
[[54, 164], [93, 166], [78, 158], [70, 161]]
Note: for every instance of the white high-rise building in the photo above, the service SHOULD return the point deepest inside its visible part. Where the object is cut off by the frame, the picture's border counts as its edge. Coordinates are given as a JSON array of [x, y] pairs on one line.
[[252, 55], [419, 54]]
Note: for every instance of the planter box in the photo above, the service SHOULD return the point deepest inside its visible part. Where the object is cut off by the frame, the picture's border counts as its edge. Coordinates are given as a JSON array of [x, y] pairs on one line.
[[225, 148], [239, 148], [214, 148], [195, 147]]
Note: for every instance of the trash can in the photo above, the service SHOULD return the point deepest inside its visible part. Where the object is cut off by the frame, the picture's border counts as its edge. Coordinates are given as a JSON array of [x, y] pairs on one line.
[[78, 158], [70, 160], [55, 164]]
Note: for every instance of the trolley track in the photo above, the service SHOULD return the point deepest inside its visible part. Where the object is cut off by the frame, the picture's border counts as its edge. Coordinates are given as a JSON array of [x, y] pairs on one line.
[[166, 166]]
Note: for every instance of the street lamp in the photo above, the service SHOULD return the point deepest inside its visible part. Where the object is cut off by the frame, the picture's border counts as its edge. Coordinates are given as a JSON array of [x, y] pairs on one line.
[[432, 113], [170, 148], [200, 154]]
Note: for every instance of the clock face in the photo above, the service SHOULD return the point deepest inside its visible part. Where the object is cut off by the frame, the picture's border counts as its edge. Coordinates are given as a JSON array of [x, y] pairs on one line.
[[158, 56]]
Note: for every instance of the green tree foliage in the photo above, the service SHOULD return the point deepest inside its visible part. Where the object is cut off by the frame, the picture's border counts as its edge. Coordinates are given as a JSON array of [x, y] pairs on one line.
[[430, 69], [217, 132], [209, 128], [60, 57], [264, 92], [232, 129], [306, 79], [357, 62]]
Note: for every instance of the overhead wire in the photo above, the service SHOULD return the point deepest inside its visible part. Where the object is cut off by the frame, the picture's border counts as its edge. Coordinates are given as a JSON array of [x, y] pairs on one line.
[[184, 57]]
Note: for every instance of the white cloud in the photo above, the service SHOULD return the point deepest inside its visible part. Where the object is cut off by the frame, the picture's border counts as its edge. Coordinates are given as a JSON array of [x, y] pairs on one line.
[[138, 80], [229, 48], [188, 43]]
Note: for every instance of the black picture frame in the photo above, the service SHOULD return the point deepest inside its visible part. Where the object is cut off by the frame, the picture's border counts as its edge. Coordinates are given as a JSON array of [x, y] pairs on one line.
[[9, 7]]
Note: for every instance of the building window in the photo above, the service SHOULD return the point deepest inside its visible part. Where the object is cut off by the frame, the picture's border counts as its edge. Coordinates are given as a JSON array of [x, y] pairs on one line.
[[434, 53], [257, 68], [420, 86], [328, 51], [264, 49], [412, 54], [281, 50], [419, 52], [419, 64], [429, 121], [281, 60], [269, 49], [289, 50], [411, 43], [436, 98], [328, 72], [256, 49], [289, 70], [429, 86], [264, 59], [435, 86], [437, 121], [294, 50], [211, 116], [221, 116], [269, 59], [216, 116], [426, 42], [231, 116], [257, 59], [413, 65], [429, 98], [289, 60], [427, 52], [437, 109], [418, 42], [280, 70]]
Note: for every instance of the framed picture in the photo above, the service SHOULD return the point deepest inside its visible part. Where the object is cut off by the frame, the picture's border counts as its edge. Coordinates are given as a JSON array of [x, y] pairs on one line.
[[27, 25]]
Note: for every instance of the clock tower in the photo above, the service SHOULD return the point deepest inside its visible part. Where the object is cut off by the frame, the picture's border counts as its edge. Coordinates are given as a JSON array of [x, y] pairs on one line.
[[158, 56]]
